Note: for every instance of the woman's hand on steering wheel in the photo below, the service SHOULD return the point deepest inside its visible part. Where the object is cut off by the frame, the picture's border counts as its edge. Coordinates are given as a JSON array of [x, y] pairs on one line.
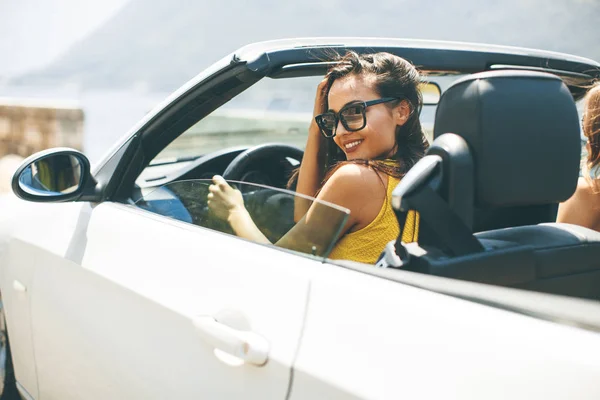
[[227, 203], [223, 200]]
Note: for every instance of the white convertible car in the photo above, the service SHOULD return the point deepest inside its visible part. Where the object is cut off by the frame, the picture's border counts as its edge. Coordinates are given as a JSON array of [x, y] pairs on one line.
[[118, 283]]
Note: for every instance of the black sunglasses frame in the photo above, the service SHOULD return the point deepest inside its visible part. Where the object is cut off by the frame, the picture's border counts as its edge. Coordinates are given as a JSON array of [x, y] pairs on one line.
[[339, 117]]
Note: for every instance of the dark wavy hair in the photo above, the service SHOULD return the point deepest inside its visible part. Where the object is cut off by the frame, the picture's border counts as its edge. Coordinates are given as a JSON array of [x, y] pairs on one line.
[[591, 129], [392, 76]]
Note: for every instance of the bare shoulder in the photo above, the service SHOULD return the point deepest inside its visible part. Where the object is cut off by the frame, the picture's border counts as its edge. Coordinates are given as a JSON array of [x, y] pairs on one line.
[[582, 208], [357, 179], [585, 192], [358, 188]]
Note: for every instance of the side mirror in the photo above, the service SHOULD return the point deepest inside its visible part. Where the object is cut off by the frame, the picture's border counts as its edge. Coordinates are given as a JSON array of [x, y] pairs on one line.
[[53, 175]]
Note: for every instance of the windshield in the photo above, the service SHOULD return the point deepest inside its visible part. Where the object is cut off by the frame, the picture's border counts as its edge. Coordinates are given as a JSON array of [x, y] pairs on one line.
[[272, 110], [271, 210]]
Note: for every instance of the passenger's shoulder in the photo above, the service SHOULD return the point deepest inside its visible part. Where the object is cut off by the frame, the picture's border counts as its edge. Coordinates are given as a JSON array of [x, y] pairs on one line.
[[585, 198], [582, 207], [584, 189]]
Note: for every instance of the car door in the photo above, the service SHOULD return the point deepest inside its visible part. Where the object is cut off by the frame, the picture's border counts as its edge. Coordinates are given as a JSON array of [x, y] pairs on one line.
[[139, 305], [367, 337], [16, 276]]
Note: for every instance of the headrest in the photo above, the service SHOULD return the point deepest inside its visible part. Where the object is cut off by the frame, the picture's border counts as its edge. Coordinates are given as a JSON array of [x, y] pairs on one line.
[[523, 132]]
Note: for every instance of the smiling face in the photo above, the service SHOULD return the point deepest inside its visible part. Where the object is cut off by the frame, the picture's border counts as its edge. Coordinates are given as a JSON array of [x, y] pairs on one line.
[[377, 138]]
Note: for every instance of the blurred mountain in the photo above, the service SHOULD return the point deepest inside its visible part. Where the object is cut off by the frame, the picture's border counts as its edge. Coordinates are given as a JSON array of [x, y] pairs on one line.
[[153, 45], [33, 33]]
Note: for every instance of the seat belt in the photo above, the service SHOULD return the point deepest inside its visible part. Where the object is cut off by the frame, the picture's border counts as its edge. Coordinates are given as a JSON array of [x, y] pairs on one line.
[[450, 231]]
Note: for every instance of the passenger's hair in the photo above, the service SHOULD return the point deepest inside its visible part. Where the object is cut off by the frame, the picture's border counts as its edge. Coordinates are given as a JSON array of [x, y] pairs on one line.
[[392, 76], [591, 129]]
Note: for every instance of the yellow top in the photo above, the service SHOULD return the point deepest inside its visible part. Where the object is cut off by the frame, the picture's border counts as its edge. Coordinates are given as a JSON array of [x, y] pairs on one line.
[[366, 244]]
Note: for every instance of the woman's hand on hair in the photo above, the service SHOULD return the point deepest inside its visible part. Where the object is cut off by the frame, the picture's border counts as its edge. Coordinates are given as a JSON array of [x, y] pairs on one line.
[[320, 105]]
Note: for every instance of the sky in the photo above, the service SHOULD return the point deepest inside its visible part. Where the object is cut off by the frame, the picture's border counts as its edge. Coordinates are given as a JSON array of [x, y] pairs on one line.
[[35, 32]]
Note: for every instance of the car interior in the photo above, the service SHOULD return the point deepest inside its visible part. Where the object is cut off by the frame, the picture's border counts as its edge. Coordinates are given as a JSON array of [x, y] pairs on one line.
[[506, 151]]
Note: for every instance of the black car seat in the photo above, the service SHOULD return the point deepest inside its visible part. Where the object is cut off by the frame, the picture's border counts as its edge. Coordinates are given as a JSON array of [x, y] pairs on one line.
[[520, 117], [506, 151]]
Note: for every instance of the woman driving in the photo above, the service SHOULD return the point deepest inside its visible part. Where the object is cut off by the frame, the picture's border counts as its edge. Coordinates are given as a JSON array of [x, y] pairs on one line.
[[364, 137]]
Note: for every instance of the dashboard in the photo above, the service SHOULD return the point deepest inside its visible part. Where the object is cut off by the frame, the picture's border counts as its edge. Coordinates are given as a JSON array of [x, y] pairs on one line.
[[174, 190], [272, 171]]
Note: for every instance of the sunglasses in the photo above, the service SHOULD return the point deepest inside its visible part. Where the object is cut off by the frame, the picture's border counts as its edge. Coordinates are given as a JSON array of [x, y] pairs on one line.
[[353, 117]]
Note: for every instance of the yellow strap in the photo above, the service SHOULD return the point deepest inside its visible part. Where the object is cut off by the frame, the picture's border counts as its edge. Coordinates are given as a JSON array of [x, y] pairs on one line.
[[410, 231]]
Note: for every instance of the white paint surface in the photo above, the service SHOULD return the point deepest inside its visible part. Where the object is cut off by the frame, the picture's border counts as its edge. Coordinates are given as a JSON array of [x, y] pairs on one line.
[[113, 319], [370, 338]]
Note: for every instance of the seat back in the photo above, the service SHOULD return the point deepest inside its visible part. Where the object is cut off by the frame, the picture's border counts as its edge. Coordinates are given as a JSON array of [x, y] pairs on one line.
[[523, 132], [506, 151]]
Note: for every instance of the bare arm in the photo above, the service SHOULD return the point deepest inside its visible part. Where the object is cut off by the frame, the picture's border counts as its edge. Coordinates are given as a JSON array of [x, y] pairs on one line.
[[309, 177], [356, 188], [243, 226]]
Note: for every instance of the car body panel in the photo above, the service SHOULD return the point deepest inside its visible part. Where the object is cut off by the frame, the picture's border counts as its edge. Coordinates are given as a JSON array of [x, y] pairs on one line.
[[23, 241], [139, 303], [18, 269], [379, 339]]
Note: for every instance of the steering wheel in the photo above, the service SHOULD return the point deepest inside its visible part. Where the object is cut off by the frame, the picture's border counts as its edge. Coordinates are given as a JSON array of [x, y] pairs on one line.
[[238, 166]]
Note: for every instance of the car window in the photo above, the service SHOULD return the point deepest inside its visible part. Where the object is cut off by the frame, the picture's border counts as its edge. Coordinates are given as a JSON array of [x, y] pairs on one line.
[[271, 209], [272, 110]]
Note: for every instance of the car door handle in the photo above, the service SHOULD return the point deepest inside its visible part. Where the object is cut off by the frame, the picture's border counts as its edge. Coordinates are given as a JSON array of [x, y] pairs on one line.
[[245, 345]]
